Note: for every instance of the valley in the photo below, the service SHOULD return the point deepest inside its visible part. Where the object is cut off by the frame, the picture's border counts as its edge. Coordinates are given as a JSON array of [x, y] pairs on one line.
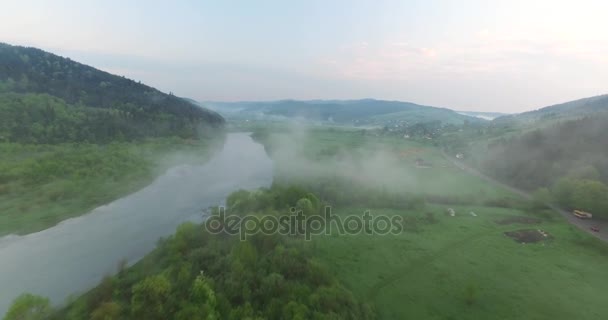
[[119, 201]]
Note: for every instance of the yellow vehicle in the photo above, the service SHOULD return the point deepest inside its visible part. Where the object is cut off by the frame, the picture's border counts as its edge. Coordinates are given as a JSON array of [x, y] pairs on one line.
[[582, 214]]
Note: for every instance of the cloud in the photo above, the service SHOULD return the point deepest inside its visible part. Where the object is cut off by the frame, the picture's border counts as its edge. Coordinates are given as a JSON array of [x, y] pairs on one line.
[[483, 53], [483, 33]]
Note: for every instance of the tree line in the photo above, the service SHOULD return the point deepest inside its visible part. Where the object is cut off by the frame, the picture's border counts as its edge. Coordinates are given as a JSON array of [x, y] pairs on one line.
[[44, 119]]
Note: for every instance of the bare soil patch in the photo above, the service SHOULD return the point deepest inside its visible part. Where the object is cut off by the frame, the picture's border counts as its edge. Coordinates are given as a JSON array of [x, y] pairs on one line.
[[528, 235]]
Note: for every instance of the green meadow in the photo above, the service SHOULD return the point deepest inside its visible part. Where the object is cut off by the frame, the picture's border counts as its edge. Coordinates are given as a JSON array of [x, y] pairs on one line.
[[42, 185], [462, 266]]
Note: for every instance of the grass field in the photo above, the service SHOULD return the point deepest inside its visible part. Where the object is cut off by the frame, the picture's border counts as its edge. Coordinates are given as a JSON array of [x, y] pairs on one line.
[[323, 149], [464, 267], [461, 267], [41, 185]]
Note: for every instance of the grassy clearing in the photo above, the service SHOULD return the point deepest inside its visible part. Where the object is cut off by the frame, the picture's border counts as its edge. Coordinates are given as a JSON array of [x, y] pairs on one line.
[[463, 267], [325, 149], [41, 185]]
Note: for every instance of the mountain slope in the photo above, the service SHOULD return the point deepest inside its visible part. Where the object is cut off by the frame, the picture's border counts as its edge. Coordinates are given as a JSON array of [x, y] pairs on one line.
[[366, 111], [136, 110], [567, 110]]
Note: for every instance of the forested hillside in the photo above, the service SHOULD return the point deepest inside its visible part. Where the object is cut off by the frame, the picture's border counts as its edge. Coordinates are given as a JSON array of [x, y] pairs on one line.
[[42, 118], [569, 158], [52, 93], [568, 110]]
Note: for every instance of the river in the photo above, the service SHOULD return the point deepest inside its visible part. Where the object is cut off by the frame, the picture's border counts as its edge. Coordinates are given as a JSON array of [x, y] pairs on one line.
[[74, 256]]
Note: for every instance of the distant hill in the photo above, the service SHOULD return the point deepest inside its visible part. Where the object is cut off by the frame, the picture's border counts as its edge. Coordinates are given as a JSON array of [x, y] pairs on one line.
[[358, 112], [66, 101], [569, 110]]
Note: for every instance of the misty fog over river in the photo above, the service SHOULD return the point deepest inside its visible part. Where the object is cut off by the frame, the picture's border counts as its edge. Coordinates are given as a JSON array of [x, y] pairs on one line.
[[74, 256]]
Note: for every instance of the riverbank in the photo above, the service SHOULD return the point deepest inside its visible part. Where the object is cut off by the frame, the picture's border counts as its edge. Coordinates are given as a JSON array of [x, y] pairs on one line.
[[73, 256], [42, 185]]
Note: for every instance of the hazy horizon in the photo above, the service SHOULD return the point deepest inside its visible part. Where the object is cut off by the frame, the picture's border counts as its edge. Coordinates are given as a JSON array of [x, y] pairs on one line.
[[464, 55]]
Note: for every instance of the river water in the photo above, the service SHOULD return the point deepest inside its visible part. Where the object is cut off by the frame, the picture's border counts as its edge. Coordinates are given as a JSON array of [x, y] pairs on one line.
[[74, 256]]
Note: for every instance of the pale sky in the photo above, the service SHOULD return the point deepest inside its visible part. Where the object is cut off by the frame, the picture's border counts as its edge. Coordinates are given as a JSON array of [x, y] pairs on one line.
[[507, 56]]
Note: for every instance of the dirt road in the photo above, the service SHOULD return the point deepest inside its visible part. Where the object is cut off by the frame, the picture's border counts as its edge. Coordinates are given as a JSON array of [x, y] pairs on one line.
[[580, 223]]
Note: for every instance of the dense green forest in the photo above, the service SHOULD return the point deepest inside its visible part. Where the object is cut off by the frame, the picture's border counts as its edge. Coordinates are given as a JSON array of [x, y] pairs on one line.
[[197, 275], [79, 87], [565, 161], [42, 118]]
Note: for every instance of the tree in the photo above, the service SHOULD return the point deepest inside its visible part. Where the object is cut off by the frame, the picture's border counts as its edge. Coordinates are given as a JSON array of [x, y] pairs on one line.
[[103, 293], [583, 194], [316, 203], [305, 205], [29, 307], [541, 197], [150, 298], [239, 201], [562, 191], [591, 196], [202, 304], [203, 296], [245, 253], [296, 311], [106, 311]]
